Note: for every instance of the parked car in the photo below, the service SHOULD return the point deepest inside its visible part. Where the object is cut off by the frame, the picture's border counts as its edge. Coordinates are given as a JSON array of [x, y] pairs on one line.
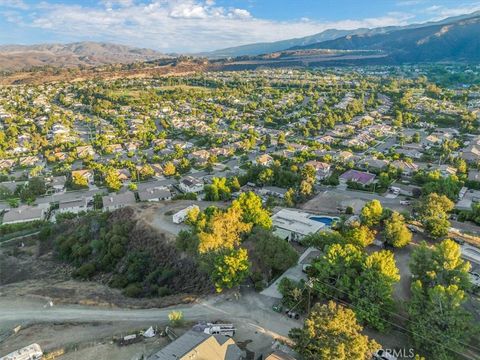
[[412, 228], [277, 308], [475, 279], [458, 241], [383, 355], [293, 315], [305, 267], [405, 202]]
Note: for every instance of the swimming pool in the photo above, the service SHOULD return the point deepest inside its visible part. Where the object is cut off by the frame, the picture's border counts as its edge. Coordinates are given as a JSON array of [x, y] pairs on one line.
[[327, 220]]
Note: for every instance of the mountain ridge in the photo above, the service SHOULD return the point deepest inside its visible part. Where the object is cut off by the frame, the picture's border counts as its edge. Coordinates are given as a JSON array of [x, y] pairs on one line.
[[15, 57], [326, 35]]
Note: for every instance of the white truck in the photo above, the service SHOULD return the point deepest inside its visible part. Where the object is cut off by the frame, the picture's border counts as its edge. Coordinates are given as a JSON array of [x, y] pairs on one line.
[[220, 329], [215, 329]]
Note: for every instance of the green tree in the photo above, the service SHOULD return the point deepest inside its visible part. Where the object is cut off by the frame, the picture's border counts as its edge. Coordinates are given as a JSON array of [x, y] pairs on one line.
[[396, 232], [371, 213], [169, 169], [230, 269], [441, 264], [433, 214], [112, 180], [176, 317], [224, 230], [332, 332], [360, 236], [439, 325], [274, 253], [373, 291], [253, 212], [79, 180]]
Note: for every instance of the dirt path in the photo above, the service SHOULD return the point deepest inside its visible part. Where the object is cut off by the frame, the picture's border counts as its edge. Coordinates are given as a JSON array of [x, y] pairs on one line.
[[251, 314]]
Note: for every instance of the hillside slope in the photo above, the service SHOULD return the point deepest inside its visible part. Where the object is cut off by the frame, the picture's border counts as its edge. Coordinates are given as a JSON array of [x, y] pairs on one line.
[[21, 57], [455, 41]]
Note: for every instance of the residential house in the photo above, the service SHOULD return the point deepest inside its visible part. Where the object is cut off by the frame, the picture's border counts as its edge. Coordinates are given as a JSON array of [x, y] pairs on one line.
[[371, 163], [72, 205], [343, 156], [157, 170], [114, 201], [273, 191], [58, 183], [6, 164], [408, 168], [84, 173], [200, 346], [360, 177], [293, 225], [411, 153], [85, 151], [474, 175], [124, 174], [406, 190], [279, 355], [114, 148], [189, 184], [322, 169], [154, 194], [200, 156], [28, 161], [264, 160], [24, 214]]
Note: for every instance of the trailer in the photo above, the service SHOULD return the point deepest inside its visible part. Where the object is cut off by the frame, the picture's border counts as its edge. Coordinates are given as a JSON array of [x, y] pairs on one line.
[[215, 329], [180, 216]]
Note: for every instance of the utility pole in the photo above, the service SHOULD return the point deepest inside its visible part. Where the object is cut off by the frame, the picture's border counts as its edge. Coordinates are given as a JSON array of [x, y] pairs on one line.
[[309, 284]]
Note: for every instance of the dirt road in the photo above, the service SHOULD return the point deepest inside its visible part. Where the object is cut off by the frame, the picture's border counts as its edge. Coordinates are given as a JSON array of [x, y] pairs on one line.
[[251, 314]]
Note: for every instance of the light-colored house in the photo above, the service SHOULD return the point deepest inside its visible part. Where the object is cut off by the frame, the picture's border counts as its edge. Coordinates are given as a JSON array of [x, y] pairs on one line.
[[155, 194], [293, 225], [72, 205], [322, 169], [58, 183], [189, 184], [196, 345], [264, 160], [24, 214], [117, 201], [408, 168], [85, 151]]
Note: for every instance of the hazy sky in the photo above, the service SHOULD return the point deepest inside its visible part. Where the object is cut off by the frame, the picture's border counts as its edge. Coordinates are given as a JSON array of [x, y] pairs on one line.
[[197, 25]]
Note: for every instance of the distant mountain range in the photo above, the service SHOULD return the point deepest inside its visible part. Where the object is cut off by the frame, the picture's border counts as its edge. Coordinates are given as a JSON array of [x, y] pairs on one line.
[[323, 39], [452, 39], [457, 40], [22, 57]]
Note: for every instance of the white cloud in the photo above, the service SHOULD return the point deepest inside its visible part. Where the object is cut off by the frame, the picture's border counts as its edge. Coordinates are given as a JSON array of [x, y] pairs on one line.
[[440, 12], [14, 4], [178, 25]]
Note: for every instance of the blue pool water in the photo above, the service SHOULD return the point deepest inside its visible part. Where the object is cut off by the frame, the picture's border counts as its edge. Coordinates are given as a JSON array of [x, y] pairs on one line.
[[328, 221]]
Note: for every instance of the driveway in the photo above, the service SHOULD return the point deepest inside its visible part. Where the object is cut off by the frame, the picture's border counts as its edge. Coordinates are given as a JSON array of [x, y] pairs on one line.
[[295, 273]]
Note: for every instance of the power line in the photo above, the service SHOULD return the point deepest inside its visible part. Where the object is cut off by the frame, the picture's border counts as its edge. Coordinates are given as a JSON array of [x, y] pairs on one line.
[[406, 330], [394, 313]]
